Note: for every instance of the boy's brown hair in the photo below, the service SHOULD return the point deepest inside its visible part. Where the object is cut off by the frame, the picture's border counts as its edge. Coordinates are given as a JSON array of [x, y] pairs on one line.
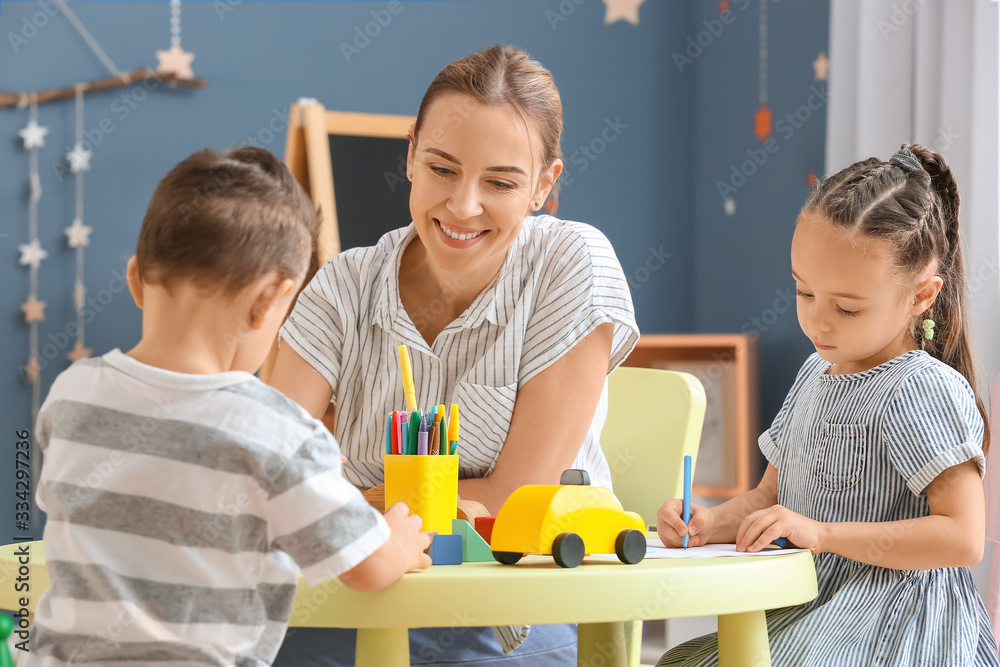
[[225, 219]]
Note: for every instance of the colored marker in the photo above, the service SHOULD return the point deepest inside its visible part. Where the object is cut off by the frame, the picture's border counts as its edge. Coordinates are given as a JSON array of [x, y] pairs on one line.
[[397, 433], [422, 437], [388, 434], [781, 542], [433, 439], [411, 443], [687, 495], [453, 429], [407, 371], [405, 441]]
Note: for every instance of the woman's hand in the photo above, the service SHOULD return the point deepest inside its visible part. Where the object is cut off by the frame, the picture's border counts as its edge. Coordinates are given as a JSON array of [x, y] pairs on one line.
[[671, 528], [764, 526]]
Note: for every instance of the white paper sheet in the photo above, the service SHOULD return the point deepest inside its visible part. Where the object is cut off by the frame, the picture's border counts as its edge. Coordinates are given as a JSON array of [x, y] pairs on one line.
[[655, 549]]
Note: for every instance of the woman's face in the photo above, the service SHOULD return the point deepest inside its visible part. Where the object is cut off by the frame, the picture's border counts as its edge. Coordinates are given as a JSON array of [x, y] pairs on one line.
[[475, 176]]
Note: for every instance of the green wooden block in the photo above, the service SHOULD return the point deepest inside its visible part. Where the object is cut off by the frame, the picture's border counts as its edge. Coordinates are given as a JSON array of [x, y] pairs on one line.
[[474, 547]]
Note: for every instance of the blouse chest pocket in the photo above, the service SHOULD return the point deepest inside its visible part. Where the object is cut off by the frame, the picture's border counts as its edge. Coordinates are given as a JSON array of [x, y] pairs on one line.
[[840, 457], [483, 424]]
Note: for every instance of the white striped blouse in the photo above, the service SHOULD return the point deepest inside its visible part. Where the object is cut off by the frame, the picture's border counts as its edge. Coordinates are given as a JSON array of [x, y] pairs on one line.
[[559, 281]]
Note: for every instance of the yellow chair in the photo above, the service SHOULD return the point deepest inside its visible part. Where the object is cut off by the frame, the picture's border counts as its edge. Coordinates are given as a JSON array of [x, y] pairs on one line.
[[654, 420]]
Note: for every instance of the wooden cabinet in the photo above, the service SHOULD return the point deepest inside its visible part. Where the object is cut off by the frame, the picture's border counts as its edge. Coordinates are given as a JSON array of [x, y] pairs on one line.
[[726, 364]]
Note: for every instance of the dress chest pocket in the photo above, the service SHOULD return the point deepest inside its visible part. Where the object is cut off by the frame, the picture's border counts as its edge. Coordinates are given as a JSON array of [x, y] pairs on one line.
[[840, 457]]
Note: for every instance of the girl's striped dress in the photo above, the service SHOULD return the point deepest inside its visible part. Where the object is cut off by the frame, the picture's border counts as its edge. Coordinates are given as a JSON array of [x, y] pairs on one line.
[[863, 447]]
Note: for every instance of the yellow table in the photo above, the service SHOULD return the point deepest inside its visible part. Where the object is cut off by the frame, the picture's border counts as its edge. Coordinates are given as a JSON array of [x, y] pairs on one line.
[[599, 595]]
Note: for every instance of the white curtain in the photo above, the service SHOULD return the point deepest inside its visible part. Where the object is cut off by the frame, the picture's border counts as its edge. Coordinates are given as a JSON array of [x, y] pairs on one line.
[[926, 71]]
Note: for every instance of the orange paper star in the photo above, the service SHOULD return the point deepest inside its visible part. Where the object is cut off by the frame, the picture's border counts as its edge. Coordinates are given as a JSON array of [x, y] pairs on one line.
[[821, 66], [762, 126], [812, 178], [175, 60], [79, 352], [723, 6], [34, 310], [32, 370]]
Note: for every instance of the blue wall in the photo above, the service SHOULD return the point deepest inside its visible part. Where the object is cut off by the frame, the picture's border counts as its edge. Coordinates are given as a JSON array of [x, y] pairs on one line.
[[742, 273], [651, 190]]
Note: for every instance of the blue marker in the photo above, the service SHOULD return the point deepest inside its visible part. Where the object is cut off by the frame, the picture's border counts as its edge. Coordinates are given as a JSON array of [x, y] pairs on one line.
[[781, 542], [687, 495]]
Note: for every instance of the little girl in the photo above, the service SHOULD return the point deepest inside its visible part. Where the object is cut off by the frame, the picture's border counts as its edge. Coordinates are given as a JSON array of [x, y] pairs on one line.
[[876, 456]]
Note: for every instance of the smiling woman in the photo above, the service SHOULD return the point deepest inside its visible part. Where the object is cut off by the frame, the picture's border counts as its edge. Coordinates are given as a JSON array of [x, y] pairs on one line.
[[517, 318]]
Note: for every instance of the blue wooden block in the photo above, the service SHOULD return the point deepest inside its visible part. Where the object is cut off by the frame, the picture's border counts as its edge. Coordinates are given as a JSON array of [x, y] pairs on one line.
[[446, 550]]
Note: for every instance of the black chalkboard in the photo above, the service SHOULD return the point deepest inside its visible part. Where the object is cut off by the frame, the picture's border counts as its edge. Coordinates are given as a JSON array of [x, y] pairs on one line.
[[371, 189]]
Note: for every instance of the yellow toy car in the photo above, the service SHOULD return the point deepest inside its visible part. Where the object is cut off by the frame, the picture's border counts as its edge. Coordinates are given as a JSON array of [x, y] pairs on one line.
[[567, 520]]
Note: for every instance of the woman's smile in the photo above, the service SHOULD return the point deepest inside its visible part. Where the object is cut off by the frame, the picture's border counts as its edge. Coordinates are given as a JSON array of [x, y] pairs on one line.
[[459, 237]]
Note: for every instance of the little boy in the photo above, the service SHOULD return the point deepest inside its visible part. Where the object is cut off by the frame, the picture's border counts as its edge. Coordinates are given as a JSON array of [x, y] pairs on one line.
[[182, 493]]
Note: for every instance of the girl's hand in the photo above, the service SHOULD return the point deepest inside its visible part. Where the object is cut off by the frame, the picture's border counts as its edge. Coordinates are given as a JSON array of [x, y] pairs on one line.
[[671, 529], [764, 526]]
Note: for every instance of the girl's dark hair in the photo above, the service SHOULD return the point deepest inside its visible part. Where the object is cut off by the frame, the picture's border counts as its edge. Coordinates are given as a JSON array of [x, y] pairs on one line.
[[505, 76], [915, 208]]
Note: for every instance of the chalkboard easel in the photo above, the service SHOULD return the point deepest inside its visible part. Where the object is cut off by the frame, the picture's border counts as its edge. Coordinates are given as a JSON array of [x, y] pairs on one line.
[[365, 155], [353, 165]]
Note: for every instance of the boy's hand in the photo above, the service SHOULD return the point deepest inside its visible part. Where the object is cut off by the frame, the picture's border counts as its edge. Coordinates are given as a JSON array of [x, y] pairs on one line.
[[764, 526], [671, 529], [407, 536]]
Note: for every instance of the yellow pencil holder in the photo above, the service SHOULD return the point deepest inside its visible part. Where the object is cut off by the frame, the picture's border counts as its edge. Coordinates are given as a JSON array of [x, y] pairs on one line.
[[428, 484]]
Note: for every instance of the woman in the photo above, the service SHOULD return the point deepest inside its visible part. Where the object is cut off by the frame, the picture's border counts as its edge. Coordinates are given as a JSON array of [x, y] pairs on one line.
[[517, 319]]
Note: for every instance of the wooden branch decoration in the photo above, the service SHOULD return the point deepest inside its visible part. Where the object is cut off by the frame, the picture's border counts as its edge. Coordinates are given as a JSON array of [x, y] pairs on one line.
[[143, 76]]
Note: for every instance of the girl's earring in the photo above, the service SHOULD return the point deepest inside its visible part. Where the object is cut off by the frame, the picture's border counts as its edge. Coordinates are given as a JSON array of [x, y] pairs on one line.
[[928, 329]]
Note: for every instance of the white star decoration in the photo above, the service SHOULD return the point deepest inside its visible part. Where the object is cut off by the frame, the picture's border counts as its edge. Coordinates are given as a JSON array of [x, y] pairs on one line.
[[175, 60], [618, 10], [79, 234], [33, 135], [79, 159], [730, 206], [32, 254]]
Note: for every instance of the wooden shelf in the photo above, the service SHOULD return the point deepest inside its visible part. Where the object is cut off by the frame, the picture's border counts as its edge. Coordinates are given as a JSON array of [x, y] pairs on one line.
[[727, 365]]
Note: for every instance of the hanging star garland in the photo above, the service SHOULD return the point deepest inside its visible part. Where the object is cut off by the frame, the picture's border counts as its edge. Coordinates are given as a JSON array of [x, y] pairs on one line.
[[821, 66], [79, 158], [34, 310], [32, 254], [78, 234], [622, 10], [79, 352], [33, 135], [175, 60], [762, 117]]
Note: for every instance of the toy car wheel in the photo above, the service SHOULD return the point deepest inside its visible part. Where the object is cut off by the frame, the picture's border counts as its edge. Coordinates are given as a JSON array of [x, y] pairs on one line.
[[567, 549], [507, 557], [630, 546]]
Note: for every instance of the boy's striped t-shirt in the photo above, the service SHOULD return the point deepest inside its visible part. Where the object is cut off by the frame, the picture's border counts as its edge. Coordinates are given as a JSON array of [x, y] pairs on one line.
[[179, 511]]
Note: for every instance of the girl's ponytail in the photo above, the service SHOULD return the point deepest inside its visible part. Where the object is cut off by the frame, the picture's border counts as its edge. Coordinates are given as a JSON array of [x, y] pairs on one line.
[[952, 342]]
